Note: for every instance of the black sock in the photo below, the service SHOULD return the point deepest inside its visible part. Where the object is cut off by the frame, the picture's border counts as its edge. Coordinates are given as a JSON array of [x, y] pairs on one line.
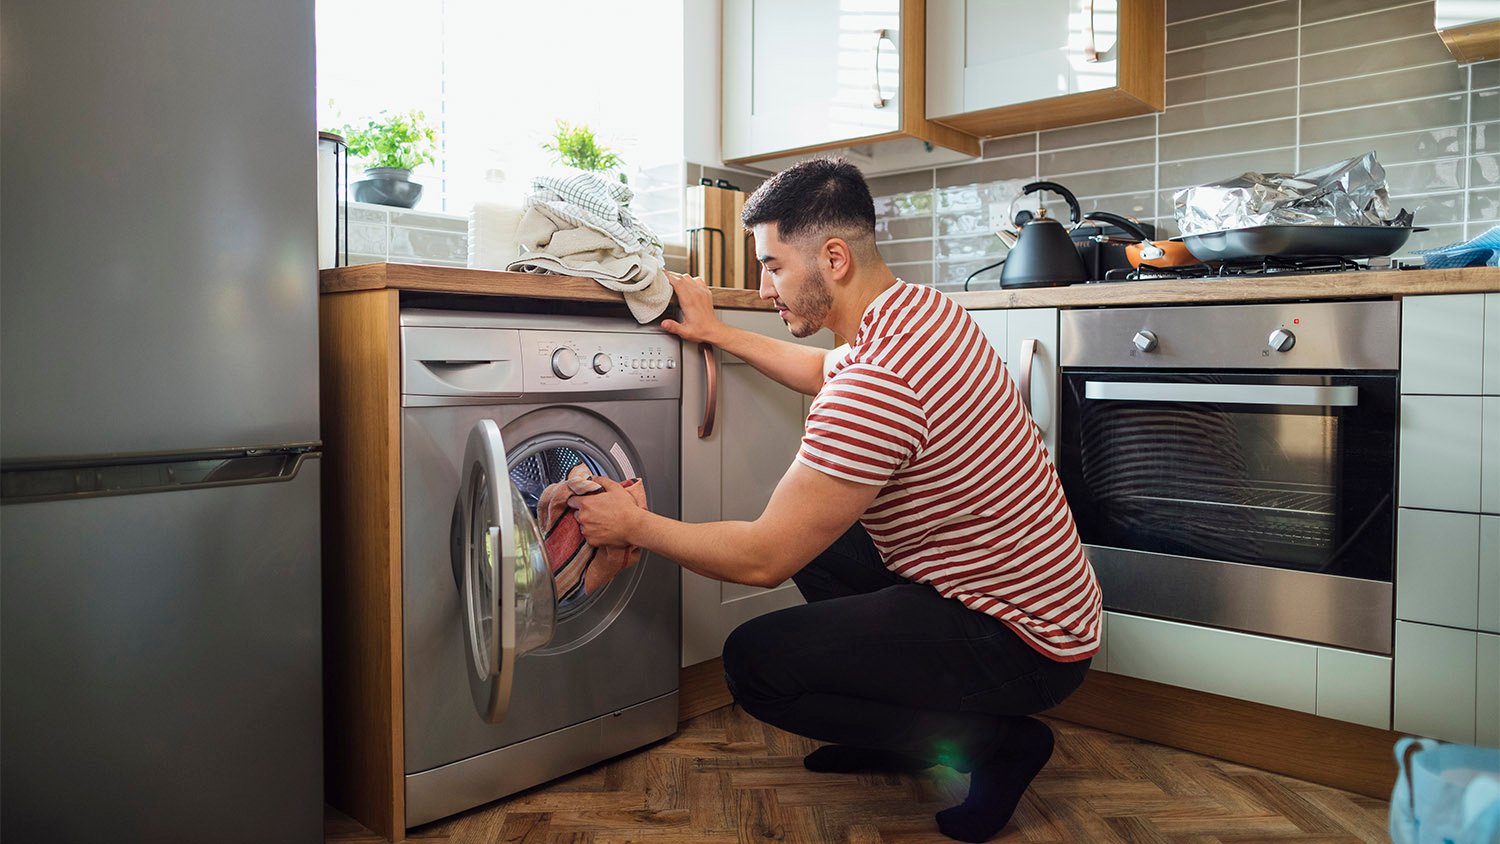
[[846, 759], [998, 781]]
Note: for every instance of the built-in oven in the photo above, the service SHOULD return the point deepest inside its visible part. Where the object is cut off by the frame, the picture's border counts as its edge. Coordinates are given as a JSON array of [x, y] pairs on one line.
[[1235, 466]]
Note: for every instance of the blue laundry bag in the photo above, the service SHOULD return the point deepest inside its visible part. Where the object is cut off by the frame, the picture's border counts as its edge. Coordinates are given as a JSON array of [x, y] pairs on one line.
[[1445, 794]]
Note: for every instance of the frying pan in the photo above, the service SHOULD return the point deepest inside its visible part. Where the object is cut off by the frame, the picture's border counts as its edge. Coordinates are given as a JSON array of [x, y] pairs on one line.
[[1291, 241]]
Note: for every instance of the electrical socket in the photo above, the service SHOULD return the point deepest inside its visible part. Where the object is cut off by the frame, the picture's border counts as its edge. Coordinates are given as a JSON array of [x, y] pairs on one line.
[[997, 216]]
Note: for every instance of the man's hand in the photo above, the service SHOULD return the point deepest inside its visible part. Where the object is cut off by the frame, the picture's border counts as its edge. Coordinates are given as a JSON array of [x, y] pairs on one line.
[[607, 518], [698, 324]]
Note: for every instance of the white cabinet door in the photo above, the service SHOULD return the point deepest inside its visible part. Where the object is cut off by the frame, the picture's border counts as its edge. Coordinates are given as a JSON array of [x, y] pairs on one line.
[[1270, 671], [1016, 51], [1489, 457], [1354, 687], [1440, 452], [731, 474], [1436, 670], [1487, 692], [1442, 344], [1489, 573], [994, 324], [1437, 567], [1038, 325], [805, 73], [1492, 344]]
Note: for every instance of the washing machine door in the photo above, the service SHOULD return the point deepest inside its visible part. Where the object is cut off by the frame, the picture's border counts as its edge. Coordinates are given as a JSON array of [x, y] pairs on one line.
[[508, 602]]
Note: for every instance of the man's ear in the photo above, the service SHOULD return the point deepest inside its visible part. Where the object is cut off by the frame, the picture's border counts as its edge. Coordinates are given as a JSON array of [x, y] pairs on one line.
[[837, 258]]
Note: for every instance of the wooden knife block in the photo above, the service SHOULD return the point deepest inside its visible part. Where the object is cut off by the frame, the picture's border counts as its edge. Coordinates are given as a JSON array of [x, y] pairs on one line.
[[720, 250]]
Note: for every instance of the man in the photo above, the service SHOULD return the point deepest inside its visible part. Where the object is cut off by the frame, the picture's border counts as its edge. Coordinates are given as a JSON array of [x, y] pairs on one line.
[[948, 595]]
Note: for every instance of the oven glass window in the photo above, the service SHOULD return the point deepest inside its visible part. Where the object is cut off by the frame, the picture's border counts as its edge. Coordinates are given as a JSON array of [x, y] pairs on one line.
[[1253, 473]]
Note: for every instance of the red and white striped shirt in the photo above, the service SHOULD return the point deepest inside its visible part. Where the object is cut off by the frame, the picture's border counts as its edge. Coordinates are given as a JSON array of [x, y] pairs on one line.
[[970, 503]]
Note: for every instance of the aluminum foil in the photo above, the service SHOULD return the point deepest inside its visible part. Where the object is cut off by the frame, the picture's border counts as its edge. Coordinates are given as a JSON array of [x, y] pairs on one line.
[[1346, 193]]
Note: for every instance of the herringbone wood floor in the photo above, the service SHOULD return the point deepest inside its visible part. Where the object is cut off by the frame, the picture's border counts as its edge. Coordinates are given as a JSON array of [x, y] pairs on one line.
[[726, 777]]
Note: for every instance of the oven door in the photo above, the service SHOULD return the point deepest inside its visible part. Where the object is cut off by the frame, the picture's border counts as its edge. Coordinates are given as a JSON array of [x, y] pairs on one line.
[[1245, 500]]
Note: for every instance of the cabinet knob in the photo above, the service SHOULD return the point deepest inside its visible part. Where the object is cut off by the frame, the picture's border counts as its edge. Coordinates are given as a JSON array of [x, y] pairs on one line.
[[1145, 340], [565, 363], [1282, 340]]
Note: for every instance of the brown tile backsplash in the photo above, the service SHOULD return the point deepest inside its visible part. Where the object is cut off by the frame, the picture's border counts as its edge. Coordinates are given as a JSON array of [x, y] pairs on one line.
[[1241, 95], [1370, 28], [1425, 49], [1232, 83], [1233, 54], [1252, 20]]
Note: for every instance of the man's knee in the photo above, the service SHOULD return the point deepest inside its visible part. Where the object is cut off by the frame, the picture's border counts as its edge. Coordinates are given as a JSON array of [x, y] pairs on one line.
[[749, 656]]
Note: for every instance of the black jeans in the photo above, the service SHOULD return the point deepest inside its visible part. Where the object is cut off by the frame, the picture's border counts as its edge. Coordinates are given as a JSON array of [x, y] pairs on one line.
[[874, 660]]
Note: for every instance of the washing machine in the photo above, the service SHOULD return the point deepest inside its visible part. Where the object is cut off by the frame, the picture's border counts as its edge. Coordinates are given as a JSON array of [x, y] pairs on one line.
[[508, 684]]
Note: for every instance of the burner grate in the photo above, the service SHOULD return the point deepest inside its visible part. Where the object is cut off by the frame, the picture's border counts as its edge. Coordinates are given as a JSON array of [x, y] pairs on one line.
[[1269, 265]]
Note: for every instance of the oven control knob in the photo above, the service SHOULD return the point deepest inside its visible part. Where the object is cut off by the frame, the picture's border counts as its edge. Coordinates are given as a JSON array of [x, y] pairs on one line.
[[565, 363], [602, 363], [1282, 340], [1145, 340]]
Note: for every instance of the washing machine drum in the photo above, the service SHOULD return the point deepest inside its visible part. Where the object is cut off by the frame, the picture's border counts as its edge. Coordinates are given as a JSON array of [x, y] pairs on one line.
[[508, 602]]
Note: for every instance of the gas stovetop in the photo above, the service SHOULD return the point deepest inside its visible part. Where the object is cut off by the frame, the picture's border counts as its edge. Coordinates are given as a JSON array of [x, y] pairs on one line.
[[1268, 266]]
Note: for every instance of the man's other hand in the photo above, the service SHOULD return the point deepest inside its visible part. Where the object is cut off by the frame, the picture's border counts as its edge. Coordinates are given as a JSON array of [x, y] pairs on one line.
[[698, 323], [607, 518]]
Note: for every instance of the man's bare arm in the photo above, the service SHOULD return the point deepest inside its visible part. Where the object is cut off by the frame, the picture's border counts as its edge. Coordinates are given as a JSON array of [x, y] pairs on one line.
[[806, 513], [794, 366]]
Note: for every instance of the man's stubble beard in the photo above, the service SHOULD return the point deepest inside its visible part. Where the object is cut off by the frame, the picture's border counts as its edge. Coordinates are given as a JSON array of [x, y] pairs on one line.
[[813, 305]]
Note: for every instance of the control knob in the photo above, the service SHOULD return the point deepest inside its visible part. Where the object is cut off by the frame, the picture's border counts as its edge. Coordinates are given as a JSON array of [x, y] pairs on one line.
[[1282, 340], [602, 363], [1144, 340], [565, 363]]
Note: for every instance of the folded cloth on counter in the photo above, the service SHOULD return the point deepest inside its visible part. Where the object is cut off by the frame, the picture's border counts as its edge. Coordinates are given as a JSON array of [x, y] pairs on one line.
[[591, 200], [1482, 250], [551, 244], [578, 568]]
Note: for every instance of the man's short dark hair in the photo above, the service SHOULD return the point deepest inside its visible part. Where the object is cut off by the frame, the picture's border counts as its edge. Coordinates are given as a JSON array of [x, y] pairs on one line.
[[817, 195]]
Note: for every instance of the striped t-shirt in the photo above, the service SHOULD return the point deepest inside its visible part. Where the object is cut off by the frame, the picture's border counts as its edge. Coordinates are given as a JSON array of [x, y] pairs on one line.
[[970, 503]]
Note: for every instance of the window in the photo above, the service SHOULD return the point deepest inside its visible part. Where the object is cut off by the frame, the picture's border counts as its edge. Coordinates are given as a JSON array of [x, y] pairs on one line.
[[494, 76]]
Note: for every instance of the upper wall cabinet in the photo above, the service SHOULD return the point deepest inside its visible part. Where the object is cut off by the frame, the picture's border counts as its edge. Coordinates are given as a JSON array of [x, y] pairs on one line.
[[808, 75], [998, 67], [1470, 29]]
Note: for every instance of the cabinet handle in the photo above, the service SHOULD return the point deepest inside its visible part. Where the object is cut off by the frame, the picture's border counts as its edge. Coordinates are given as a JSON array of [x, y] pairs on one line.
[[711, 399], [881, 35], [1090, 44], [1028, 357]]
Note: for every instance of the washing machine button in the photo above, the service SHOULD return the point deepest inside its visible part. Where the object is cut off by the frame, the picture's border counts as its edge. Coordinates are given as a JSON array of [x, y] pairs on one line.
[[602, 363]]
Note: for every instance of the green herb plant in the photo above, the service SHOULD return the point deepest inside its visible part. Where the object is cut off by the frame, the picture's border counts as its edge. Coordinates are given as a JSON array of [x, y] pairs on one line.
[[403, 141], [577, 147]]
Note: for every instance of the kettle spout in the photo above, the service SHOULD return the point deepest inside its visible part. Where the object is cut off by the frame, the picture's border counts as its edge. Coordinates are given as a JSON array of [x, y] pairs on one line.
[[1008, 237]]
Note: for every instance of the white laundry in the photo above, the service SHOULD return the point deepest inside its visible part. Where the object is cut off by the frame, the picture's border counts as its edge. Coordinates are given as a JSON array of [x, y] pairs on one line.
[[551, 244]]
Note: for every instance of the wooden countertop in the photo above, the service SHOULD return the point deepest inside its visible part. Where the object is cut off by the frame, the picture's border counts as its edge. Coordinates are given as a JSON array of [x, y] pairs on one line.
[[1375, 284]]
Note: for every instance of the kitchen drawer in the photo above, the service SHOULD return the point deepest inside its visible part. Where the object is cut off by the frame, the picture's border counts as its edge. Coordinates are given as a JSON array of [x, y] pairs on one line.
[[1354, 687], [1237, 665], [1440, 452], [1437, 567], [1435, 681], [1443, 344]]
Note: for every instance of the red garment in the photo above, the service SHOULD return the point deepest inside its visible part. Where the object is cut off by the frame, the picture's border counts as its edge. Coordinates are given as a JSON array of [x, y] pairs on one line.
[[970, 501], [580, 569]]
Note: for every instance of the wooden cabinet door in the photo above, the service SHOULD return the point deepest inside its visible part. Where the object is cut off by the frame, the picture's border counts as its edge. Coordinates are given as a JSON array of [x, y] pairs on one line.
[[730, 475], [804, 73]]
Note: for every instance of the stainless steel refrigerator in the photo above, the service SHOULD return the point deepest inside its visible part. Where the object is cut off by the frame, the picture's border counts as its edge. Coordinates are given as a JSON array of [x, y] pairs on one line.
[[160, 658]]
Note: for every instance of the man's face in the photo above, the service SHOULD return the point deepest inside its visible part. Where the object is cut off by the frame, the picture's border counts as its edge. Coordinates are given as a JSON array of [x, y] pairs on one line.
[[794, 281]]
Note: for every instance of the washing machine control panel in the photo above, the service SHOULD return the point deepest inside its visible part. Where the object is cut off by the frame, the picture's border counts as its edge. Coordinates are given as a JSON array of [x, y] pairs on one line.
[[582, 361]]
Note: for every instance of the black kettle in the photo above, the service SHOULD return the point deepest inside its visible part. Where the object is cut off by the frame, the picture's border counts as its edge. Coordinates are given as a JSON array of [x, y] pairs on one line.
[[1042, 254]]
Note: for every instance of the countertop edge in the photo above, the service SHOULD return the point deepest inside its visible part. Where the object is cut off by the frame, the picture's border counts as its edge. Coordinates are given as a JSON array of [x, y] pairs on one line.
[[1373, 284]]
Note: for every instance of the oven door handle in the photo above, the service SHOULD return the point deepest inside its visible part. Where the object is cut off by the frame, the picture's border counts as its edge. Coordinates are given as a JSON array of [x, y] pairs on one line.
[[1263, 394]]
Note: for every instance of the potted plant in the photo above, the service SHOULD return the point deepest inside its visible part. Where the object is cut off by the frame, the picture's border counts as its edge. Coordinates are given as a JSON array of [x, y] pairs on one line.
[[391, 145], [577, 147]]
